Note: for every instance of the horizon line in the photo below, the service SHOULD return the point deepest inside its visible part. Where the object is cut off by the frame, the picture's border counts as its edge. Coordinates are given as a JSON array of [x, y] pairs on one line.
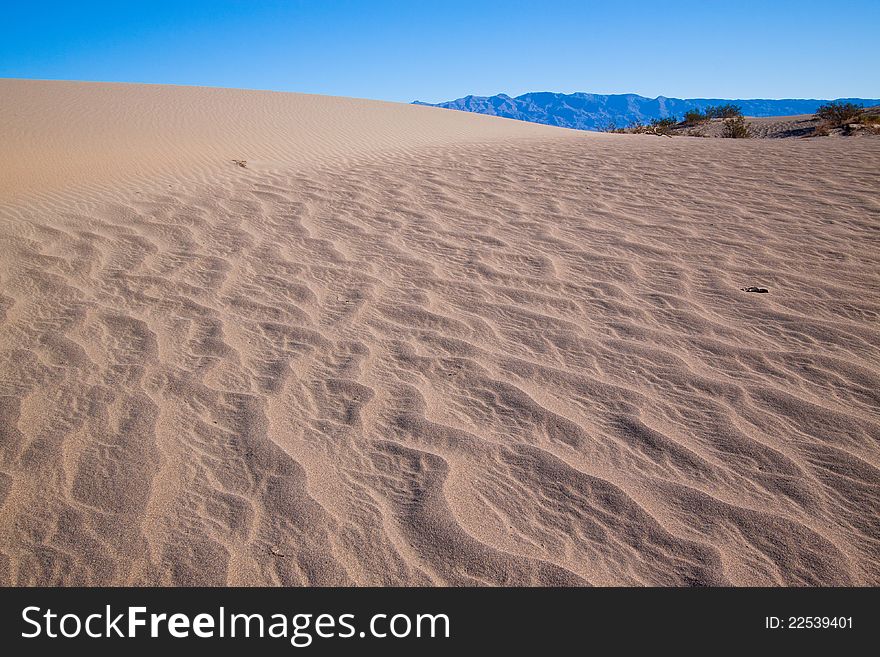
[[419, 101]]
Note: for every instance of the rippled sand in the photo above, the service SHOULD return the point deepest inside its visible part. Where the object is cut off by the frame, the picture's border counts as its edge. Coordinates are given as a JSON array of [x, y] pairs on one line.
[[405, 345]]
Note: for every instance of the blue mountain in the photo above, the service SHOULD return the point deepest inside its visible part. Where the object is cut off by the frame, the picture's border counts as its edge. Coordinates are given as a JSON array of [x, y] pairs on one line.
[[597, 111]]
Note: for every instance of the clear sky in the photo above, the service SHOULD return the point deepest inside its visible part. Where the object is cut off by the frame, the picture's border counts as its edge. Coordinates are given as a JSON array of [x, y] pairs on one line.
[[442, 49]]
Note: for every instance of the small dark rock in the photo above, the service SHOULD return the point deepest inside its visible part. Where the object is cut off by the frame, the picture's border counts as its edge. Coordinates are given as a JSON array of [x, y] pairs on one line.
[[759, 290]]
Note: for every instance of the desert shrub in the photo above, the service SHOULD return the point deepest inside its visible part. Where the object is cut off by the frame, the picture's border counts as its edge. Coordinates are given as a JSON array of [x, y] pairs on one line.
[[663, 126], [693, 117], [728, 111], [869, 121], [608, 126], [837, 113], [660, 127], [735, 127]]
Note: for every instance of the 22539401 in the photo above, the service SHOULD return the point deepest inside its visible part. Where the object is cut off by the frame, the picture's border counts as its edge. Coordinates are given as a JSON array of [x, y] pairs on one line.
[[808, 622]]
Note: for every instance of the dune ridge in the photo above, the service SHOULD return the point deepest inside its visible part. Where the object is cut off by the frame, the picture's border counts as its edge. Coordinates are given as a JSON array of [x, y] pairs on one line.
[[428, 347]]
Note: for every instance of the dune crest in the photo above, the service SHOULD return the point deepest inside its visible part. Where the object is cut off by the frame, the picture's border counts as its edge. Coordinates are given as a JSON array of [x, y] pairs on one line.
[[409, 346]]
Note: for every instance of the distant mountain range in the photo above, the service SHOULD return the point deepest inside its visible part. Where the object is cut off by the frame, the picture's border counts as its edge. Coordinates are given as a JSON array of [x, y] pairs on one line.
[[598, 111]]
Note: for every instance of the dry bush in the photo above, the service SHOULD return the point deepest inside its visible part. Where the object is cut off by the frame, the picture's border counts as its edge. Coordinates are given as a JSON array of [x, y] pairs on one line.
[[837, 114], [736, 128], [728, 111], [694, 117], [659, 127], [664, 126], [871, 122]]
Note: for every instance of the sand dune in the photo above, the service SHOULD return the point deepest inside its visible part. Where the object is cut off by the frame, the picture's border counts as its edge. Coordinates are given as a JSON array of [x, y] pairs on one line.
[[405, 345]]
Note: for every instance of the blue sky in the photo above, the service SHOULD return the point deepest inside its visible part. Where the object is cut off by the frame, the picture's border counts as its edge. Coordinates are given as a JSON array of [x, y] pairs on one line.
[[439, 50]]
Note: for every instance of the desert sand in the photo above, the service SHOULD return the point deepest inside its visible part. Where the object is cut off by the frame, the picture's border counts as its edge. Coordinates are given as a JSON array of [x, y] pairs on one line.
[[401, 345]]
